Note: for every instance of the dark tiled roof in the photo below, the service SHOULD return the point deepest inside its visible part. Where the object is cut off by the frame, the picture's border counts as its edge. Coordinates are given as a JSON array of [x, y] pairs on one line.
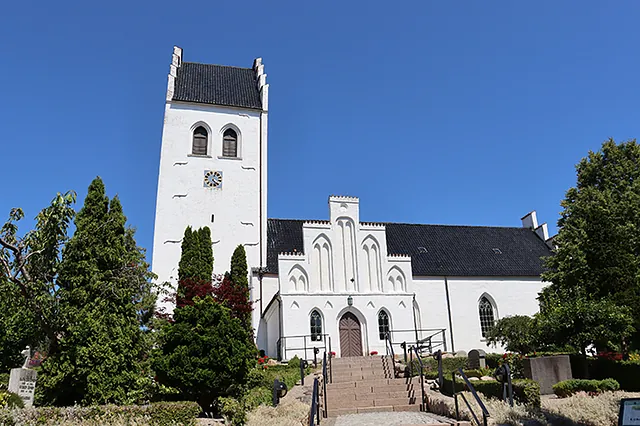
[[217, 84], [438, 250]]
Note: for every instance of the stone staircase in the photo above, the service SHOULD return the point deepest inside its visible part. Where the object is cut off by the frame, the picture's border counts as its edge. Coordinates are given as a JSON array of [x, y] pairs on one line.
[[367, 384]]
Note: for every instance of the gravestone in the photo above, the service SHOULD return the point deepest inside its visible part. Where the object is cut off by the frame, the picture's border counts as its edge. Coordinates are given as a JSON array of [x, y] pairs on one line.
[[547, 371], [477, 359], [22, 381], [461, 354]]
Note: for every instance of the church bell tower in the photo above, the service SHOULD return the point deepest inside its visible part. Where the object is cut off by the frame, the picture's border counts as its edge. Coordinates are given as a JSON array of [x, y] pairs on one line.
[[213, 163]]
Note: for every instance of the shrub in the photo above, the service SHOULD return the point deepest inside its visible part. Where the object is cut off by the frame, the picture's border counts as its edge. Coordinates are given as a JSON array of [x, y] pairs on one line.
[[294, 362], [570, 387], [157, 414], [10, 400], [626, 373], [233, 411], [4, 381], [448, 364], [525, 391]]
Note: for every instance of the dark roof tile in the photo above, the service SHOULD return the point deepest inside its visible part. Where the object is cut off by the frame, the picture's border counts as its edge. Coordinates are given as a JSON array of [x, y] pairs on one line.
[[450, 250], [217, 85]]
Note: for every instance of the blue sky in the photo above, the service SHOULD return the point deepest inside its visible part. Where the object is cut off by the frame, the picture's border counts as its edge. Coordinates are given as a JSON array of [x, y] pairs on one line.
[[431, 112]]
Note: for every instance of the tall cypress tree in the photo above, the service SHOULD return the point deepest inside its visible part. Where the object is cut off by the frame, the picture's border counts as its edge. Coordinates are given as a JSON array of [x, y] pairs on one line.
[[195, 269], [239, 270], [104, 283]]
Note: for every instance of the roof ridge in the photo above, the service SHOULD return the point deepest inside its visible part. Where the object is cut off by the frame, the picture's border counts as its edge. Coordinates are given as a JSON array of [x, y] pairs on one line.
[[217, 65], [412, 224]]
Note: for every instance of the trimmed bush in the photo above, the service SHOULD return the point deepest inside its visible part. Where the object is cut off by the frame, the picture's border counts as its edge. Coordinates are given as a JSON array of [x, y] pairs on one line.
[[233, 411], [157, 414], [448, 364], [10, 400], [569, 387], [525, 391]]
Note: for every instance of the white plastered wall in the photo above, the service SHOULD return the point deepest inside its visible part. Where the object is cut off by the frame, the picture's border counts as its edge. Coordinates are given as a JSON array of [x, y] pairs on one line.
[[183, 200]]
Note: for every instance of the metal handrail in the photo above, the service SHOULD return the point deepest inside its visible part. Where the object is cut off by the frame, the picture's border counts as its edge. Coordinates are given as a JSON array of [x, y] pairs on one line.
[[281, 344], [314, 414], [485, 412], [423, 406], [325, 377], [389, 347], [421, 343]]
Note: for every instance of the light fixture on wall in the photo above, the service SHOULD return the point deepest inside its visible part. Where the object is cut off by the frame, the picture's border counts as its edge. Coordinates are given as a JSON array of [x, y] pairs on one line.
[[350, 300]]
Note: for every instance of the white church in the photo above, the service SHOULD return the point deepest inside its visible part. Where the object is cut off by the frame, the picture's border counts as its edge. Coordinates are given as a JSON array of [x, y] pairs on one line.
[[338, 284]]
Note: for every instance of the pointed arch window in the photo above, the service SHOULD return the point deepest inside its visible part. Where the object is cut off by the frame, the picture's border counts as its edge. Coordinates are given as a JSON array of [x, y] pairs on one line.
[[487, 316], [230, 143], [316, 326], [200, 141], [383, 324]]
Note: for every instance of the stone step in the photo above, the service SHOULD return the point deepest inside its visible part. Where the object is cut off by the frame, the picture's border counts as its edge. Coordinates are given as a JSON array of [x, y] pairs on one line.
[[371, 403], [376, 409], [369, 383], [353, 396]]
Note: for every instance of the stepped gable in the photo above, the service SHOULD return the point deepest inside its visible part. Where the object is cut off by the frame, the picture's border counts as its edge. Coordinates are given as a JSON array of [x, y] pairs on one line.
[[438, 250]]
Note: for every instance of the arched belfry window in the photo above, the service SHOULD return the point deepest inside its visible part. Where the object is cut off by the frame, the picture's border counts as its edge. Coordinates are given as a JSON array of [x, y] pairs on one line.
[[487, 316], [230, 143], [200, 141], [383, 324], [316, 326]]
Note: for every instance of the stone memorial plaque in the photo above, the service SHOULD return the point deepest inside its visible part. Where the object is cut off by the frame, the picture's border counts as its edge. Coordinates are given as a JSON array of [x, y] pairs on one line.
[[23, 382], [547, 371], [629, 412], [477, 359]]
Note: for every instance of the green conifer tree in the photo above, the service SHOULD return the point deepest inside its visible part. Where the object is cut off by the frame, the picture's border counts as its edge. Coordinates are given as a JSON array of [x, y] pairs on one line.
[[239, 270], [105, 290], [196, 260]]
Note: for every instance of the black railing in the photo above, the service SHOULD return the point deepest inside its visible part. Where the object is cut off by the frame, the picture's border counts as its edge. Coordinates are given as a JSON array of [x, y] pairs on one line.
[[303, 343], [483, 408], [438, 357], [390, 353], [314, 414], [325, 377], [425, 340], [412, 350]]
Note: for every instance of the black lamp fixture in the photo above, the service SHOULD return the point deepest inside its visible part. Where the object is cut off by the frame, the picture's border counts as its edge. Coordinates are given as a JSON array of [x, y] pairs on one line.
[[350, 300]]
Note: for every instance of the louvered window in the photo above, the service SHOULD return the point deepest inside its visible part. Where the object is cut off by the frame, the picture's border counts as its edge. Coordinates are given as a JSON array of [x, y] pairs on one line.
[[200, 141], [230, 143], [316, 326], [487, 319], [383, 324]]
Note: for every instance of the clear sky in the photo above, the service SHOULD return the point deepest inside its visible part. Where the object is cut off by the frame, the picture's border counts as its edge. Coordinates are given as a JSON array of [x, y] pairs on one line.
[[429, 111]]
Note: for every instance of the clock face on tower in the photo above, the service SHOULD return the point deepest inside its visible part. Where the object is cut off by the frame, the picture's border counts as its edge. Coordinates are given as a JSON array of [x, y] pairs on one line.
[[212, 179]]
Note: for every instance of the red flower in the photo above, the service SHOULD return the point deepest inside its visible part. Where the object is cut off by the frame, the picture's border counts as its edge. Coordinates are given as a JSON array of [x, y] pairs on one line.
[[373, 353], [260, 361]]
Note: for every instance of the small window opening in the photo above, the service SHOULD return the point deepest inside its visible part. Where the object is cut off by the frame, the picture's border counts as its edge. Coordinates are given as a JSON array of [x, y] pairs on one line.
[[383, 324], [200, 141], [212, 217], [230, 143], [316, 326]]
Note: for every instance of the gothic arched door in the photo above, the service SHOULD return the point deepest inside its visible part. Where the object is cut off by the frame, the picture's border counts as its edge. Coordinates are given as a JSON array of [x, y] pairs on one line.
[[350, 335]]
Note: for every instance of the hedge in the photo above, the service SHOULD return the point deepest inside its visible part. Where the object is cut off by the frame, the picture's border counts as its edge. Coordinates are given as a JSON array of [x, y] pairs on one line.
[[626, 373], [156, 414], [569, 387], [525, 391]]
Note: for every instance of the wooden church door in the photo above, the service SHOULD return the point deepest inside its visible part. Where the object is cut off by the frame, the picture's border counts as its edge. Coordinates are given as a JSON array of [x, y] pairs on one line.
[[350, 335]]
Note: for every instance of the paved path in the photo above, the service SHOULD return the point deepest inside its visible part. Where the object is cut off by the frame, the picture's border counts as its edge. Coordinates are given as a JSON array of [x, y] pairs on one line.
[[387, 419]]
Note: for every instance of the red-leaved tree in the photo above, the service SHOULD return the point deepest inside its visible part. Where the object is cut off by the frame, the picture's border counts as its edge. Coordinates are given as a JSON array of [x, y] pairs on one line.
[[234, 297]]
